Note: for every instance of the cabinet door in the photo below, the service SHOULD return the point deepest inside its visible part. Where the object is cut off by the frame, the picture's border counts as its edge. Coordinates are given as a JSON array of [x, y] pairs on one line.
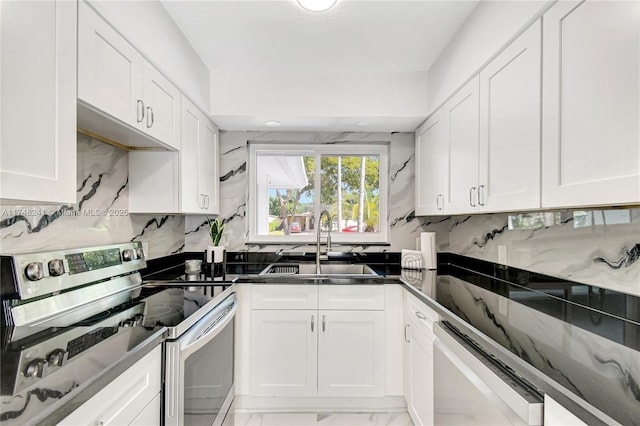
[[162, 107], [509, 155], [591, 104], [284, 353], [432, 162], [208, 167], [38, 106], [109, 69], [191, 122], [150, 415], [420, 405], [122, 400], [461, 118], [351, 353]]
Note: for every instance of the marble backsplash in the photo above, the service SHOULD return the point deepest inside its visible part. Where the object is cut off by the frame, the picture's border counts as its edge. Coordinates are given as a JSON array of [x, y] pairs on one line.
[[598, 247], [404, 227], [100, 216]]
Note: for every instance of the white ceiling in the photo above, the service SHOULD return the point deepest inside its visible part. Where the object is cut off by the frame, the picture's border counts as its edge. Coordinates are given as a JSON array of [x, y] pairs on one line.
[[267, 36]]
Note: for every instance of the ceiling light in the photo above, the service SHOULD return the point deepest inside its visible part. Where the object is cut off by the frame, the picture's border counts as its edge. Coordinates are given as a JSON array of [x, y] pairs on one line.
[[316, 5], [362, 123], [272, 123]]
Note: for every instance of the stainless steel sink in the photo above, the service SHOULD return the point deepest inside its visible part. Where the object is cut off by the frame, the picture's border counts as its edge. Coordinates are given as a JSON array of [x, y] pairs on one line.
[[349, 270]]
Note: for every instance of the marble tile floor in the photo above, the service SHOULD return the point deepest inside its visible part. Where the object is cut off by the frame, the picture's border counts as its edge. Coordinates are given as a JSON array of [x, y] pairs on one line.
[[320, 419]]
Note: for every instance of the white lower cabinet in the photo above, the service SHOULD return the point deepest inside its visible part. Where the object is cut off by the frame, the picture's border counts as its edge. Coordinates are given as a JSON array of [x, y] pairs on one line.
[[418, 360], [351, 353], [335, 352], [284, 352], [132, 398]]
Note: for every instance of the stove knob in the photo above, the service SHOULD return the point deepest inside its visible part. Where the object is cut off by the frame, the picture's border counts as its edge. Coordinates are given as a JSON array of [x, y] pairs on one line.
[[56, 358], [128, 255], [35, 368], [34, 271], [56, 267], [140, 253]]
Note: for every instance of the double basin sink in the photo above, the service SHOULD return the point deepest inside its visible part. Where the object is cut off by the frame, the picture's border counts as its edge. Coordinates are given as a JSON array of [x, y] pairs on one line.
[[327, 270]]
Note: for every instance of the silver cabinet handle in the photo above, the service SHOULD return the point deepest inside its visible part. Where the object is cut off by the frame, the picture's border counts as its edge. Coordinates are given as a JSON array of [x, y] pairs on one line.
[[324, 325], [207, 201], [438, 198], [202, 201], [471, 191], [481, 195], [98, 423], [313, 322], [421, 315], [140, 111], [406, 339], [150, 114]]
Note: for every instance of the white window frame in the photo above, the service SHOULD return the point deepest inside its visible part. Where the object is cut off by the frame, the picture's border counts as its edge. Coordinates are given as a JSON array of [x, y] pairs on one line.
[[380, 149]]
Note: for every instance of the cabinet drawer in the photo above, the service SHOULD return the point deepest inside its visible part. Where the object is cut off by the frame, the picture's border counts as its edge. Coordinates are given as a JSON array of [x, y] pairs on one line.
[[352, 297], [125, 398], [419, 313], [285, 296]]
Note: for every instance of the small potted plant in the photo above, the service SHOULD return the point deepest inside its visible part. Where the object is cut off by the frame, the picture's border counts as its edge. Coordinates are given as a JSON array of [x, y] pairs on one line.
[[215, 252]]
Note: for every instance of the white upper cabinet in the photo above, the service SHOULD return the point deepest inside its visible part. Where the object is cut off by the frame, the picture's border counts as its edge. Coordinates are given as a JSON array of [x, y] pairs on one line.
[[162, 107], [199, 161], [481, 150], [509, 154], [461, 123], [591, 104], [109, 69], [209, 168], [121, 96], [179, 182], [431, 165], [38, 107]]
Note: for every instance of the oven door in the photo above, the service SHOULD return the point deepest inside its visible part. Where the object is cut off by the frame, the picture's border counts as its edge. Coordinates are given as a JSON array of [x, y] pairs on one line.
[[199, 369]]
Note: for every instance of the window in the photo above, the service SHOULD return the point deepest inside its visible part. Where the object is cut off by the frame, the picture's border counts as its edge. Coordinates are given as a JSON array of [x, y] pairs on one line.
[[292, 183]]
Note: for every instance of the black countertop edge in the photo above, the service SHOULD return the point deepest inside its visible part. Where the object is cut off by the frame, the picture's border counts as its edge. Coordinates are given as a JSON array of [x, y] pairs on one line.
[[597, 299], [586, 296], [54, 414], [385, 263], [543, 383]]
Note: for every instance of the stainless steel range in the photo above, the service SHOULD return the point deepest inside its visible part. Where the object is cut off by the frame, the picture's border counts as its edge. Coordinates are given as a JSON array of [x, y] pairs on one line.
[[69, 316], [199, 349]]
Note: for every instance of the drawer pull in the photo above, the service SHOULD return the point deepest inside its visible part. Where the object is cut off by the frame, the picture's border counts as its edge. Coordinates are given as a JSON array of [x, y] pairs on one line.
[[406, 339], [421, 315], [313, 322], [324, 325]]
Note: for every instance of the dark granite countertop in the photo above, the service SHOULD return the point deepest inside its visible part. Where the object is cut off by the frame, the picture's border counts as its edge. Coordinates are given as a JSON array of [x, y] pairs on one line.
[[578, 343], [584, 357], [59, 394]]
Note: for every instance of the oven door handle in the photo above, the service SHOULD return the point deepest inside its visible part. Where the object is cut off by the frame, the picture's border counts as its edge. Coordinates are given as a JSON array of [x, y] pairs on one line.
[[205, 330]]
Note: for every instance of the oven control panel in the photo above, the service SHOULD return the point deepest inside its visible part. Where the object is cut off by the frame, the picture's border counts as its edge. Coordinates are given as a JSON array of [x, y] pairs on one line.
[[32, 275]]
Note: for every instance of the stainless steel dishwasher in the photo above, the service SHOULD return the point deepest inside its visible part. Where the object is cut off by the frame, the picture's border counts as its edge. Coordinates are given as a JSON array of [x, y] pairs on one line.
[[472, 389]]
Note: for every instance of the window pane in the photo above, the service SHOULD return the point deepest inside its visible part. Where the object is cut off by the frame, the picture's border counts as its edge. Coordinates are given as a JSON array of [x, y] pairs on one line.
[[284, 192], [350, 191]]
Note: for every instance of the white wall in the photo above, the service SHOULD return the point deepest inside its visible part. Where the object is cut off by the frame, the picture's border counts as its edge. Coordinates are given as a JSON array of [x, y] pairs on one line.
[[319, 94], [491, 26], [148, 26]]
